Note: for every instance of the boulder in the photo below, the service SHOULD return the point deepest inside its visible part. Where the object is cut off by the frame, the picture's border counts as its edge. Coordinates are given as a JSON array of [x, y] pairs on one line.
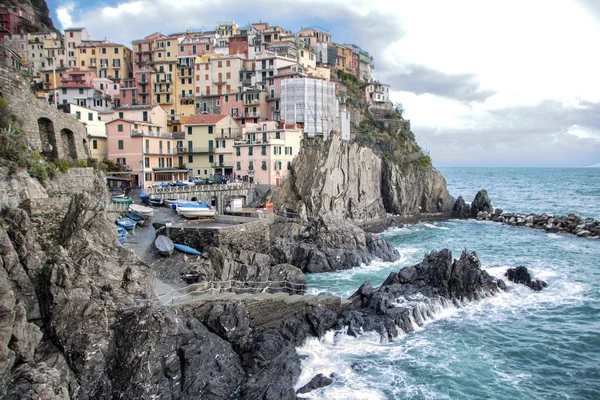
[[481, 202], [521, 275], [318, 381], [461, 210]]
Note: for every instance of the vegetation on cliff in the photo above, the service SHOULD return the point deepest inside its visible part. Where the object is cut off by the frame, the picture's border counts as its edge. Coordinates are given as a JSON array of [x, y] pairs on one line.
[[386, 132]]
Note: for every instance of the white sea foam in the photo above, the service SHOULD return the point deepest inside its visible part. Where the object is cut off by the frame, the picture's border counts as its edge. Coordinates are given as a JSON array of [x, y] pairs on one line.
[[444, 228]]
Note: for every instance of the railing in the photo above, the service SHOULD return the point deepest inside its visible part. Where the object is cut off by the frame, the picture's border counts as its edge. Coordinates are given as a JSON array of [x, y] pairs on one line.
[[248, 115], [187, 96], [136, 132], [222, 165]]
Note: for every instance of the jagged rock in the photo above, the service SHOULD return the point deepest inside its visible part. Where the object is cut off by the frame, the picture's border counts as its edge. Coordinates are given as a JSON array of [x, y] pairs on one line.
[[318, 381], [583, 233], [332, 244], [460, 209], [481, 202], [411, 295], [521, 275]]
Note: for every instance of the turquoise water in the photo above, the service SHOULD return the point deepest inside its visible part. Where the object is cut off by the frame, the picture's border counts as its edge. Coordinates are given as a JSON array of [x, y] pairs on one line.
[[517, 345]]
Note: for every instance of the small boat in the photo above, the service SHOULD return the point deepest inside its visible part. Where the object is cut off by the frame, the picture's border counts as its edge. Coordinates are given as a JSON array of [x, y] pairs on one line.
[[117, 193], [145, 211], [186, 249], [126, 223], [164, 245], [196, 212], [185, 184], [137, 217], [156, 201], [169, 202], [121, 234], [161, 224], [122, 200], [176, 203], [144, 196]]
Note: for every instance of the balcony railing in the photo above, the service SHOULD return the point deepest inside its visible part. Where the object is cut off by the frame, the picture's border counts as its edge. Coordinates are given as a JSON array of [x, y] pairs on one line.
[[248, 115], [225, 164], [116, 65], [103, 65], [160, 152], [187, 96], [137, 132], [252, 101]]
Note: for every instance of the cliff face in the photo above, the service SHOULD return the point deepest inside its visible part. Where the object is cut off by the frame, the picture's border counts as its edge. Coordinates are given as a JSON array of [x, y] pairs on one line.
[[38, 8], [408, 189], [351, 182]]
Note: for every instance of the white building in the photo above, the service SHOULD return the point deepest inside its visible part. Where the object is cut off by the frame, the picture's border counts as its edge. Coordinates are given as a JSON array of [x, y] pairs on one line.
[[311, 102]]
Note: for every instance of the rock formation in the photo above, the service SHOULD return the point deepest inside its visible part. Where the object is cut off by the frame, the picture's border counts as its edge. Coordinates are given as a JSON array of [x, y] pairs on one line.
[[461, 210], [327, 244], [412, 295], [521, 275], [481, 203]]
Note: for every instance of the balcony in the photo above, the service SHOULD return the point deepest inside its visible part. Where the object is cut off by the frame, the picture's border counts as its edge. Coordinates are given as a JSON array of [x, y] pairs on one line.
[[252, 101], [116, 66], [167, 100], [248, 115], [225, 164], [245, 142], [142, 81], [174, 118], [220, 83], [160, 90], [200, 150], [187, 96], [137, 133], [160, 152], [179, 135], [103, 65]]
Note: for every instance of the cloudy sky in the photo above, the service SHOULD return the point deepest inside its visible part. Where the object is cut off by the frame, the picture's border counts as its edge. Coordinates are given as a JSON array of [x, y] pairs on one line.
[[484, 83]]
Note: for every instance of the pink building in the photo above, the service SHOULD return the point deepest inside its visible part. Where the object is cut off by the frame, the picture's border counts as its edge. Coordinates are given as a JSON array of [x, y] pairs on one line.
[[145, 149], [196, 44], [143, 61], [78, 76], [273, 87], [264, 153]]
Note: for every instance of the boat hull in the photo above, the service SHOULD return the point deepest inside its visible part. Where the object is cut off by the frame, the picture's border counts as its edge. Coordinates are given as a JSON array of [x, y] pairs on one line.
[[186, 249], [196, 212], [145, 211], [126, 223], [164, 245]]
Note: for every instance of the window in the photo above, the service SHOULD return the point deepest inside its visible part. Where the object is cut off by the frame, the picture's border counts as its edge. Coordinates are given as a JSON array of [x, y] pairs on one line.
[[94, 144], [121, 161], [78, 114], [251, 166], [277, 165], [80, 91], [289, 165], [145, 116], [264, 165], [277, 150], [64, 91], [228, 75], [189, 129], [90, 116], [263, 150], [120, 145], [168, 54], [120, 114], [120, 129], [238, 165], [207, 47], [226, 98], [147, 162], [116, 50], [169, 163], [206, 68], [237, 151], [277, 135], [250, 151], [220, 64], [210, 129], [148, 176], [103, 50], [211, 158], [288, 151]]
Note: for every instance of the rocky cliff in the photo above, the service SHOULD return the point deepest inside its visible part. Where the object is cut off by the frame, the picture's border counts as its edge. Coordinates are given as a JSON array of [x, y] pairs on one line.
[[38, 8]]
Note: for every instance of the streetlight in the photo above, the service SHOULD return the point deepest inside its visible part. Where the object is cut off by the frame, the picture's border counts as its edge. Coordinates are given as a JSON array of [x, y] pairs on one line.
[[54, 79]]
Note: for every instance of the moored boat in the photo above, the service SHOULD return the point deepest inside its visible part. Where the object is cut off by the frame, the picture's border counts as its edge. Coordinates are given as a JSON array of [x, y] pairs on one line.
[[126, 223], [145, 211], [164, 245], [156, 201], [137, 217], [144, 196], [186, 249], [117, 193], [195, 212], [176, 203], [122, 200], [161, 224], [121, 234]]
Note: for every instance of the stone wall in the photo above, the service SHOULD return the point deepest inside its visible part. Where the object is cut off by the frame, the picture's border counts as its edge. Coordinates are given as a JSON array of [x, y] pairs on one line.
[[50, 132], [252, 236], [75, 180]]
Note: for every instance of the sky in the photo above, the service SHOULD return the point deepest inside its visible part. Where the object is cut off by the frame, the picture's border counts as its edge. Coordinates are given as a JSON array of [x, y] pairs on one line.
[[484, 83]]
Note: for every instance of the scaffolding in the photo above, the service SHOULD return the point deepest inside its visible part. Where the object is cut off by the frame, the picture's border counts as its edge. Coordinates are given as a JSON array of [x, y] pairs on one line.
[[311, 102]]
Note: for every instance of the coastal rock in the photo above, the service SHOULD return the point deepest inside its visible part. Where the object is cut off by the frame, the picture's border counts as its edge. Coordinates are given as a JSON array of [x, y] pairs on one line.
[[521, 275], [412, 295], [481, 202], [327, 244], [408, 189], [461, 210], [317, 382]]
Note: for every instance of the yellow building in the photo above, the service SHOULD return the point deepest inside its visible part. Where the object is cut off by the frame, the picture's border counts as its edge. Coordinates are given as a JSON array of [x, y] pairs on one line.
[[185, 90], [108, 60], [227, 29], [207, 143], [307, 58], [165, 77]]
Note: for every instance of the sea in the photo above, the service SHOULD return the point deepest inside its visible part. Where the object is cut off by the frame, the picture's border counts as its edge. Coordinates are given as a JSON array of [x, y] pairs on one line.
[[516, 345]]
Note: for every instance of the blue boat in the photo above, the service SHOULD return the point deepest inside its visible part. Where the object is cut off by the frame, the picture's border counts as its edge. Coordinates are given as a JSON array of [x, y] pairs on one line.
[[144, 196], [176, 203], [126, 223], [186, 249], [121, 234]]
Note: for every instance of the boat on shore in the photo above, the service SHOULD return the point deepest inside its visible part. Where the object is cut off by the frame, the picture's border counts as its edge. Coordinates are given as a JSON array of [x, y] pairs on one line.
[[155, 201], [164, 245], [175, 203], [117, 193], [195, 210], [137, 217], [186, 249], [144, 196], [143, 210], [121, 234], [122, 200], [126, 223]]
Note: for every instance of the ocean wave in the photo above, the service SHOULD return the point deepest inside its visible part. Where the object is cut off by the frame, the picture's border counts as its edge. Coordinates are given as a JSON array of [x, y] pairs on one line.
[[444, 228]]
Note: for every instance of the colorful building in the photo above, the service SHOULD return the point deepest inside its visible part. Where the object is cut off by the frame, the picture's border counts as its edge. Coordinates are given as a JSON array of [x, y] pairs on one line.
[[265, 152], [14, 20], [377, 94], [73, 38], [207, 143]]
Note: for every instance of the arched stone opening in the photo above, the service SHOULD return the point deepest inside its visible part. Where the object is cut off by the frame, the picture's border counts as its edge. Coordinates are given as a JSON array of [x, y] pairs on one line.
[[47, 138], [67, 139]]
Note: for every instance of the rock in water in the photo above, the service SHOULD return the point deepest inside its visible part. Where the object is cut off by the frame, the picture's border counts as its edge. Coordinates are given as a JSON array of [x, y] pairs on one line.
[[521, 275], [481, 202], [461, 210], [318, 381]]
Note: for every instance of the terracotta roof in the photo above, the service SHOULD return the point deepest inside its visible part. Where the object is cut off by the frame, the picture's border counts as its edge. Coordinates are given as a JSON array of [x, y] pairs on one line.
[[205, 119]]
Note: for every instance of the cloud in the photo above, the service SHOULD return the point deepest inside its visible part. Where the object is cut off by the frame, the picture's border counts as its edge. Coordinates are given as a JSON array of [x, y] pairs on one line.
[[64, 15], [420, 79]]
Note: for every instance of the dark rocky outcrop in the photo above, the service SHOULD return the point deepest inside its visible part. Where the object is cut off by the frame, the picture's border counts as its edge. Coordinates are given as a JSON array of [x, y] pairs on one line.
[[317, 382], [327, 244], [461, 210], [481, 203], [412, 295], [521, 275]]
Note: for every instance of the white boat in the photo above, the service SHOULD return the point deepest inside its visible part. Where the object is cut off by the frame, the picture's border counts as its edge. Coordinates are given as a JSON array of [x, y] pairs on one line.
[[196, 212], [146, 211]]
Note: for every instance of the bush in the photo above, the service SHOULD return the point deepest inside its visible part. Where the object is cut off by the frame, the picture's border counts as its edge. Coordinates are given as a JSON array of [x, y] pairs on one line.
[[423, 162], [82, 164], [62, 164], [37, 170]]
